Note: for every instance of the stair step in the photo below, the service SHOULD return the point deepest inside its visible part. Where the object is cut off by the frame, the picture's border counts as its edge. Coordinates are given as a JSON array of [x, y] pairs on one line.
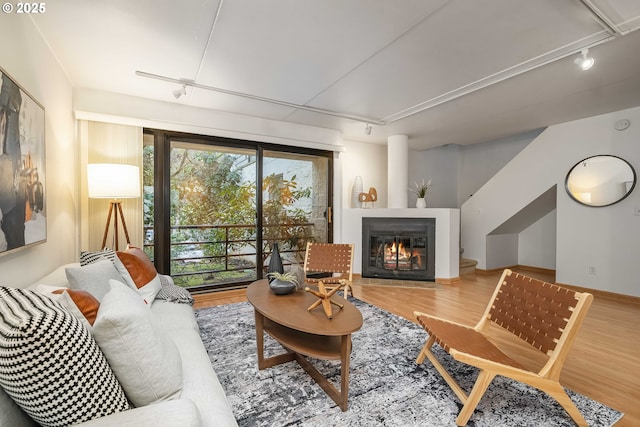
[[467, 266]]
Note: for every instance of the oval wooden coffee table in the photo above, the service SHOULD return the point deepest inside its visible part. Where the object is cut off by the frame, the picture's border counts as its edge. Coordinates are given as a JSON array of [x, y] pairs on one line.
[[305, 333]]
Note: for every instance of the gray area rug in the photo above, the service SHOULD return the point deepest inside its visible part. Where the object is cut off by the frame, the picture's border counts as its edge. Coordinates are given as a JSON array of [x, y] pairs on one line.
[[387, 388]]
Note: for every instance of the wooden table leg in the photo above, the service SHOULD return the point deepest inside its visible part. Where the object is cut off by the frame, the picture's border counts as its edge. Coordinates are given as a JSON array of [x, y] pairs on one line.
[[260, 339], [344, 371]]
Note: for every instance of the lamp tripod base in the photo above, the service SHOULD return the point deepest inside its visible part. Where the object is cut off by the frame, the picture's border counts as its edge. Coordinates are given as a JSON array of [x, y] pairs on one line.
[[117, 207]]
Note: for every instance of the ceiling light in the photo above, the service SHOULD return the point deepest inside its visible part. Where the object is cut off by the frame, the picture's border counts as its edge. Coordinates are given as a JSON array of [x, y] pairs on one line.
[[180, 92], [584, 62], [367, 128]]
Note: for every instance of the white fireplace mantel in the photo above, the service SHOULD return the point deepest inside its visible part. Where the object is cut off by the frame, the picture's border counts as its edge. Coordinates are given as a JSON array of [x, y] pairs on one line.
[[447, 235]]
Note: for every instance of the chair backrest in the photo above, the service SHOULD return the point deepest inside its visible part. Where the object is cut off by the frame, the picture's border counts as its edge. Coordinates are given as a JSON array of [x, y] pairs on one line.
[[545, 315], [329, 258]]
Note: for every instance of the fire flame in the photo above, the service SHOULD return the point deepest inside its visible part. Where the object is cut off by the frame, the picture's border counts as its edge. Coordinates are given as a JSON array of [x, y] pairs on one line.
[[404, 255]]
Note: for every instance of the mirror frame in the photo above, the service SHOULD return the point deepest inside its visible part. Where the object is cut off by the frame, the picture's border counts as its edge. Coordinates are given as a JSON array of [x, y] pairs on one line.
[[633, 171]]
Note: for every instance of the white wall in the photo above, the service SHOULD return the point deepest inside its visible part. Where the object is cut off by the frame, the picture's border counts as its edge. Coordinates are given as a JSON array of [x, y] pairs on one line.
[[458, 171], [480, 162], [440, 165], [368, 161], [537, 243], [502, 251], [26, 58], [603, 238]]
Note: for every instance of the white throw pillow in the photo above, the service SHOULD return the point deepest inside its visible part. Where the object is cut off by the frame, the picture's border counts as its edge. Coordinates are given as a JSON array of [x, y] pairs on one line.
[[93, 278], [143, 357]]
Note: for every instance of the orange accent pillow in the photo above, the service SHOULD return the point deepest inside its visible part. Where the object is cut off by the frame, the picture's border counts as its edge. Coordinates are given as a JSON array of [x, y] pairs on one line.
[[139, 272], [86, 303]]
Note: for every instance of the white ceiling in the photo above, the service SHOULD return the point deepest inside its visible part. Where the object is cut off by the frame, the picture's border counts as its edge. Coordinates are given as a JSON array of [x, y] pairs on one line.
[[461, 71]]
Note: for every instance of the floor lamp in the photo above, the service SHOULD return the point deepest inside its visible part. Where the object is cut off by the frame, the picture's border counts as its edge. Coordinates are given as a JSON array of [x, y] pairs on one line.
[[115, 182]]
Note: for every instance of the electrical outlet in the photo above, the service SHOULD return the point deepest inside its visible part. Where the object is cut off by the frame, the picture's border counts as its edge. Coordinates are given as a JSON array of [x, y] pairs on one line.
[[592, 270]]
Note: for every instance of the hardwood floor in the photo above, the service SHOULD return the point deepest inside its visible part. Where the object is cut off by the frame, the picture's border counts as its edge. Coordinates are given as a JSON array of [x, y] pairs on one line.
[[604, 362]]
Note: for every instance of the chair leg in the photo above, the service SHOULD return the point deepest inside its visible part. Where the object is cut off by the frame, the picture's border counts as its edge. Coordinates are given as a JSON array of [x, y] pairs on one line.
[[483, 381], [556, 391], [425, 349], [347, 289]]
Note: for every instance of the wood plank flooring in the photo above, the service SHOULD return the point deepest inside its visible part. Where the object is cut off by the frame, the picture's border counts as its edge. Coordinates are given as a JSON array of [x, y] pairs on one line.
[[604, 362]]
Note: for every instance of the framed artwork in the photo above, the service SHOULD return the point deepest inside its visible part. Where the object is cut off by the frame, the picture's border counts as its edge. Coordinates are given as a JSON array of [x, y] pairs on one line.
[[23, 216]]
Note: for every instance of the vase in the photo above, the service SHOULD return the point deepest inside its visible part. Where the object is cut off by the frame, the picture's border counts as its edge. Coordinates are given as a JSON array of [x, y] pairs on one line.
[[421, 203], [355, 192], [275, 263], [280, 287]]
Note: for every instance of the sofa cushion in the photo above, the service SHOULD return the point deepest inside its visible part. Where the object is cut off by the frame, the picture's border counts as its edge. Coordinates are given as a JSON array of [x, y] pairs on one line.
[[144, 359], [170, 316], [10, 413], [62, 377], [138, 272], [93, 278], [200, 382], [171, 413]]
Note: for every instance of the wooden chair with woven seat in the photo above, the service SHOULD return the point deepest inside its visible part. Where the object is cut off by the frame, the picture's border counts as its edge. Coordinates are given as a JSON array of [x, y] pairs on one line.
[[333, 258], [544, 315]]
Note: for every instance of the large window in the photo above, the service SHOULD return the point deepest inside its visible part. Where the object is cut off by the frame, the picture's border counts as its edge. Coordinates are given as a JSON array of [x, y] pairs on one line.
[[206, 223]]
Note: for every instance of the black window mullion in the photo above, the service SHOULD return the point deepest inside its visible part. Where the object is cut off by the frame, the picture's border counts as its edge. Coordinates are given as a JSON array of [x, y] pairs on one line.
[[259, 221]]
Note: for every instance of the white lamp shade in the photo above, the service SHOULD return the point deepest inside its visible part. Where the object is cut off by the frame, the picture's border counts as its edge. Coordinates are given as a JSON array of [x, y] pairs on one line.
[[113, 181]]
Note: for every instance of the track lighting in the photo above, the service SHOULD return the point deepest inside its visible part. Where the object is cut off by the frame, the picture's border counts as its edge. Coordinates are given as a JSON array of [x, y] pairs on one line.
[[184, 82], [367, 128], [180, 92], [584, 62]]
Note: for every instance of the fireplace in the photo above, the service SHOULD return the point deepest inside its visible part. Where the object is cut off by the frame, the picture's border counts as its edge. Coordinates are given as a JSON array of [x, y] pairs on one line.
[[399, 248]]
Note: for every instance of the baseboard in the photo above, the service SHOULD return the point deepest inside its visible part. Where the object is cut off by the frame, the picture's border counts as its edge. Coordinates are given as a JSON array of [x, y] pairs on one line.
[[597, 293], [536, 269], [448, 281], [493, 270], [612, 296], [517, 267]]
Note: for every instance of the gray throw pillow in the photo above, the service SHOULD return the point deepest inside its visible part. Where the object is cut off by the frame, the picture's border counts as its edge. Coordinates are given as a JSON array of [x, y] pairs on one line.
[[145, 360], [93, 278]]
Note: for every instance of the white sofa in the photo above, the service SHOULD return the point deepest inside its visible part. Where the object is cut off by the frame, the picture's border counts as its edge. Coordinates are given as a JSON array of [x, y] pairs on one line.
[[202, 401]]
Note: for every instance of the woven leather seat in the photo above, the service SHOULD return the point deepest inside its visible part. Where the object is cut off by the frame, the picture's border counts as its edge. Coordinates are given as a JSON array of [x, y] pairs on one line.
[[333, 258], [544, 315]]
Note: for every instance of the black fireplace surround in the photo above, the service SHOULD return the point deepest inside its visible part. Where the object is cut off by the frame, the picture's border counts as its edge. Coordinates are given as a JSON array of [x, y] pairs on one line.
[[399, 248]]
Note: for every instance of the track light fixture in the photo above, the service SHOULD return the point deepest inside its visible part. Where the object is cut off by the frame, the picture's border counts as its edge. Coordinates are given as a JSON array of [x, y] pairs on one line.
[[180, 92], [367, 128], [584, 62]]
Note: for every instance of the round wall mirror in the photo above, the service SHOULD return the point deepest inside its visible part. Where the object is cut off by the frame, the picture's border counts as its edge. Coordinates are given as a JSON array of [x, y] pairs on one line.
[[600, 180]]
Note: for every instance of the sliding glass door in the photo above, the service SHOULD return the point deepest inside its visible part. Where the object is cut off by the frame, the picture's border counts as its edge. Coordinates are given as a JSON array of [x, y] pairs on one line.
[[294, 204], [208, 226]]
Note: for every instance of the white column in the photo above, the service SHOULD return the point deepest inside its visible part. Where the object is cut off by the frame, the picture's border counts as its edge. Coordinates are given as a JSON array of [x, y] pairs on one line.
[[397, 171]]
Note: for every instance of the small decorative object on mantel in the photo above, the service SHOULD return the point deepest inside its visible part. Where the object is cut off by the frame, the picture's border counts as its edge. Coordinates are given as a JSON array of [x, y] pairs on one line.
[[275, 263], [370, 197], [325, 298], [421, 190], [283, 283], [355, 192]]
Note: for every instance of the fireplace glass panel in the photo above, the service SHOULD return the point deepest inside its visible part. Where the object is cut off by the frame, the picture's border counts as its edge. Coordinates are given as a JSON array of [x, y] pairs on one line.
[[399, 249]]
